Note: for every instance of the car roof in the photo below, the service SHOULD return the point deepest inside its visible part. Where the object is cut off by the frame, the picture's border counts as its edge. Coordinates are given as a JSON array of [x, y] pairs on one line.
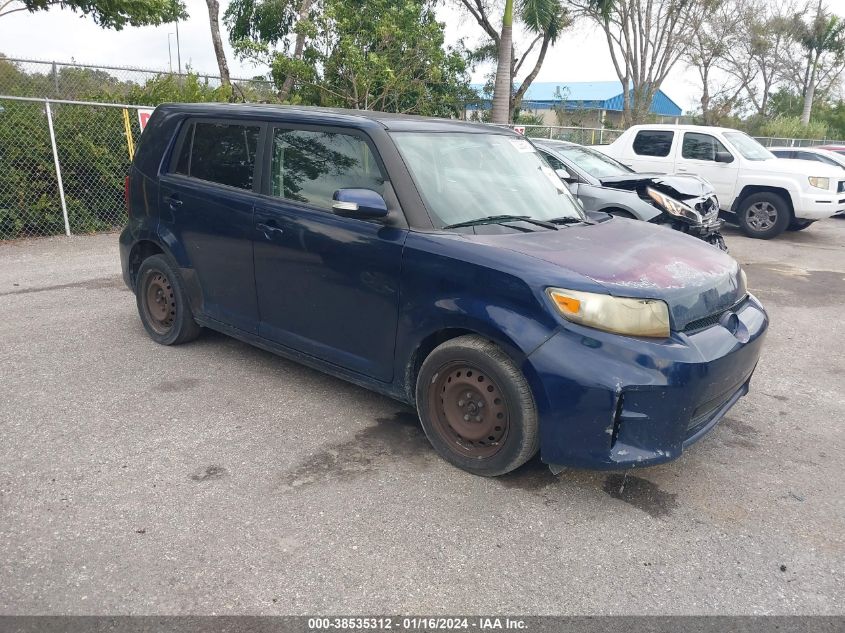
[[359, 118], [683, 127]]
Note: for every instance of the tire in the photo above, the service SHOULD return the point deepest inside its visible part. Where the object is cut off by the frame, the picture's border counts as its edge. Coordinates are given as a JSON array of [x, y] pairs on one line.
[[763, 215], [163, 303], [799, 225], [471, 376]]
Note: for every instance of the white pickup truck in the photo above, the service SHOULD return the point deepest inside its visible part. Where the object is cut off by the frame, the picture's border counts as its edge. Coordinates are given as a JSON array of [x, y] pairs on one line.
[[768, 195]]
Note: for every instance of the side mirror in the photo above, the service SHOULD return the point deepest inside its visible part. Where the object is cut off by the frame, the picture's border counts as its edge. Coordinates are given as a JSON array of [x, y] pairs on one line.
[[724, 157], [564, 175], [359, 203]]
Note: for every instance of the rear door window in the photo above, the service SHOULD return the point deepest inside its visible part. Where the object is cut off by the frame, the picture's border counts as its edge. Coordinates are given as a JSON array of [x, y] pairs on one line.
[[309, 166], [653, 142], [699, 146], [220, 152]]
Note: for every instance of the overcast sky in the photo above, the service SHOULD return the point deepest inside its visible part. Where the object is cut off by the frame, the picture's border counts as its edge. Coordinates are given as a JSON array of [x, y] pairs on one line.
[[61, 35]]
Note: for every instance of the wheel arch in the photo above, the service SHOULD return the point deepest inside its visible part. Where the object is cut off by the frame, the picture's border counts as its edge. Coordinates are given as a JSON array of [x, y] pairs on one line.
[[750, 190], [430, 341], [141, 250]]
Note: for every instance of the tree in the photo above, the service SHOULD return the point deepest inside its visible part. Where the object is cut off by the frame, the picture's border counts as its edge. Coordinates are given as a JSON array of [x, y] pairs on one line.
[[388, 55], [379, 54], [645, 39], [214, 22], [261, 30], [543, 19], [722, 30], [757, 59], [822, 40], [114, 14], [503, 85]]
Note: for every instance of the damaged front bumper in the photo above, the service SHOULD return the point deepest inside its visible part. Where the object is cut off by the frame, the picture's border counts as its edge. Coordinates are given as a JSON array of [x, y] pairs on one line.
[[609, 402]]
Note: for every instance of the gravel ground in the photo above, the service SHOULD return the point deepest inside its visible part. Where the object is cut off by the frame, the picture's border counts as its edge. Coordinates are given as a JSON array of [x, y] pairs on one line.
[[218, 478]]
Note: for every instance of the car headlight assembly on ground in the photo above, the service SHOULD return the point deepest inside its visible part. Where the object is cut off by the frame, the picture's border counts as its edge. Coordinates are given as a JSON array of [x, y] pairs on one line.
[[674, 207], [621, 315]]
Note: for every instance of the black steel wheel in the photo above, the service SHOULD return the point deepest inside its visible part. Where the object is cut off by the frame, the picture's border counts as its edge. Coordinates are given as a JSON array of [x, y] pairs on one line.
[[162, 303], [476, 407]]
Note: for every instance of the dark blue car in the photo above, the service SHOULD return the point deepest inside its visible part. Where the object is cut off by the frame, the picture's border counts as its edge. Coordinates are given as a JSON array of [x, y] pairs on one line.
[[443, 264]]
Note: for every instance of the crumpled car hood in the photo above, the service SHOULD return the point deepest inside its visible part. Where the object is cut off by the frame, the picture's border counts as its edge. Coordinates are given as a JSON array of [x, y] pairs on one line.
[[636, 259], [676, 185]]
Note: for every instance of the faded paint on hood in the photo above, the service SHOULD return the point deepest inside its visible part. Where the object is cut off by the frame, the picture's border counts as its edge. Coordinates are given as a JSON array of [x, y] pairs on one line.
[[636, 259]]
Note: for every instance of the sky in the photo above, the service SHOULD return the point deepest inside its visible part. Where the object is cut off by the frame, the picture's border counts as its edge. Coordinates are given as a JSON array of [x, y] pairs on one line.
[[61, 35]]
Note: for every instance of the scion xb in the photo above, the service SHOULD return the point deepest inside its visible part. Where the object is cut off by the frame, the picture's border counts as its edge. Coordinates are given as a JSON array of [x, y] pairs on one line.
[[443, 264]]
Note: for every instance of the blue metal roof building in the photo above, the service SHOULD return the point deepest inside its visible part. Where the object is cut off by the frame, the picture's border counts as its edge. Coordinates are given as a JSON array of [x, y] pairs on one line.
[[585, 95]]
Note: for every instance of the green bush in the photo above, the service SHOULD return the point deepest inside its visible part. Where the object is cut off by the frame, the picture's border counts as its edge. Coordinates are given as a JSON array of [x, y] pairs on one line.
[[791, 127]]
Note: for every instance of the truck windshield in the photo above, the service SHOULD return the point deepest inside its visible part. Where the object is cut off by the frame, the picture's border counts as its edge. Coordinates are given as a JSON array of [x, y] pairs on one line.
[[465, 176], [594, 163], [748, 147]]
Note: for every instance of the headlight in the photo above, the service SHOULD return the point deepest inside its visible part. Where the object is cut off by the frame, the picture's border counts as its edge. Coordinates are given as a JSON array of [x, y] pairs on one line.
[[675, 207], [621, 315], [744, 280], [819, 183]]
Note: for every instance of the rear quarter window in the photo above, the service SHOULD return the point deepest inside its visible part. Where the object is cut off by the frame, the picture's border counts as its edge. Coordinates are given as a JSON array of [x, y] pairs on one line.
[[653, 142], [223, 153]]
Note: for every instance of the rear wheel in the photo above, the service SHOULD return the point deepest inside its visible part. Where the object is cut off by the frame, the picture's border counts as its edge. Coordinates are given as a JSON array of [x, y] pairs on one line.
[[163, 304], [763, 215], [799, 225], [476, 407]]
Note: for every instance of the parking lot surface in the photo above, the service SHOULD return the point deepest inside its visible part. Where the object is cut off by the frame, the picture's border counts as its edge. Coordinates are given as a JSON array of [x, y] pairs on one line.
[[218, 478]]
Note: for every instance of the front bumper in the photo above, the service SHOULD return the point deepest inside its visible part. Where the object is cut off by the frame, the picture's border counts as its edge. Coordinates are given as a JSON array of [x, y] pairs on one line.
[[608, 401], [818, 207]]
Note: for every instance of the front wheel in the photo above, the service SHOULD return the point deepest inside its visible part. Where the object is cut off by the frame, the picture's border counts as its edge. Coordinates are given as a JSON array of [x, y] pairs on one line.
[[799, 225], [476, 407], [763, 215]]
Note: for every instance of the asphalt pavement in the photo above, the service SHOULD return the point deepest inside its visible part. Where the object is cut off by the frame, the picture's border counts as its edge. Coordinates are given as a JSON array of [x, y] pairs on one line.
[[218, 478]]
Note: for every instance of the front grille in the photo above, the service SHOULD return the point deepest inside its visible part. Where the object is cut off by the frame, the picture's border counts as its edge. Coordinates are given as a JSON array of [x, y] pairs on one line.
[[711, 319]]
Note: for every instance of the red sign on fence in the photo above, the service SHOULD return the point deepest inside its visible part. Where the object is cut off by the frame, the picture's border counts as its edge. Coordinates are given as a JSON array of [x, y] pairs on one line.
[[144, 116], [519, 129]]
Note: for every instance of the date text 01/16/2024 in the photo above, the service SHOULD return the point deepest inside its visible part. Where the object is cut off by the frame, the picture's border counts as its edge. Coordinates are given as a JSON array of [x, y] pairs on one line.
[[415, 624]]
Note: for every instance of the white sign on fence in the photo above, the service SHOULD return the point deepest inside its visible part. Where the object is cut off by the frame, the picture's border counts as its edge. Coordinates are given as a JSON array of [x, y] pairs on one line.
[[519, 129], [144, 116]]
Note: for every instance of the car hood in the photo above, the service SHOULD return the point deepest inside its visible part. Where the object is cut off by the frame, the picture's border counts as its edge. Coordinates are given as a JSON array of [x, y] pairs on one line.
[[629, 258], [676, 185], [793, 166]]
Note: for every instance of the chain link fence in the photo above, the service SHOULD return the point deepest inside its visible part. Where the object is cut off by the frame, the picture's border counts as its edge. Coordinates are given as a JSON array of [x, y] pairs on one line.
[[116, 84], [580, 135], [62, 166]]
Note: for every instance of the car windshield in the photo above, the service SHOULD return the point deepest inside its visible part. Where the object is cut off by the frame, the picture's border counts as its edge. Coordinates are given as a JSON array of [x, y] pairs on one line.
[[591, 161], [748, 147], [466, 176]]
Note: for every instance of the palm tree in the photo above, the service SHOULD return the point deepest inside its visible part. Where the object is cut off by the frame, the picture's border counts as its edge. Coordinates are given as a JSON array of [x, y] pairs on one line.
[[504, 80], [825, 34]]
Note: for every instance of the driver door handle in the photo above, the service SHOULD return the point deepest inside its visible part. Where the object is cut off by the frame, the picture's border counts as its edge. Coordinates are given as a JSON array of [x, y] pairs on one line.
[[269, 230]]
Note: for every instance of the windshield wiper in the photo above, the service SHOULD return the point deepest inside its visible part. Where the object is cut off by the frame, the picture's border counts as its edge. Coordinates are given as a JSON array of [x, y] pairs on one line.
[[496, 219], [569, 220]]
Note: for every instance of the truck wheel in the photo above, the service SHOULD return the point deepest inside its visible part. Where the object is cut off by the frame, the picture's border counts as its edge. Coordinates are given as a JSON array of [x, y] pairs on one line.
[[476, 407], [799, 225], [763, 215], [163, 303]]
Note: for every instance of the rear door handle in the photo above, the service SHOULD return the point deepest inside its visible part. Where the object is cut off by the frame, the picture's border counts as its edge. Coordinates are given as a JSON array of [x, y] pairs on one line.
[[173, 200], [269, 230]]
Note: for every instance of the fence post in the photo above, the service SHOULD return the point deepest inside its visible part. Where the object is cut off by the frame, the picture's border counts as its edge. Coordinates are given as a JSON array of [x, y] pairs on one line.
[[58, 166]]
